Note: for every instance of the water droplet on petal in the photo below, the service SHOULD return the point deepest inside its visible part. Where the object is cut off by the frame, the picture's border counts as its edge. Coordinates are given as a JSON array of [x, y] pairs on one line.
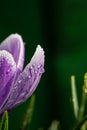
[[19, 81], [31, 67], [29, 76], [35, 71], [8, 71], [38, 66], [42, 70]]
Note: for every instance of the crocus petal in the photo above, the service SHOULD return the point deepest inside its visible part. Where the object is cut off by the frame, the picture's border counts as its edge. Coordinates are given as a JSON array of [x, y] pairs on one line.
[[14, 45], [7, 71], [27, 81]]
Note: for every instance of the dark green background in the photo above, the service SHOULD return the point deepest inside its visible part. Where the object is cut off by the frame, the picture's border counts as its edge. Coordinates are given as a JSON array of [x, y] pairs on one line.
[[60, 27]]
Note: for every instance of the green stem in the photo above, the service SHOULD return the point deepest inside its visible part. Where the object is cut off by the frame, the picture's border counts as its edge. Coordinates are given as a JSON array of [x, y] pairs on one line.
[[4, 121], [82, 107], [28, 114], [78, 126], [74, 97]]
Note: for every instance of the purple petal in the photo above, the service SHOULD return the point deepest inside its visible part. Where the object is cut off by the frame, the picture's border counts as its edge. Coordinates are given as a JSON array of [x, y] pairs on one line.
[[14, 45], [27, 81], [7, 71]]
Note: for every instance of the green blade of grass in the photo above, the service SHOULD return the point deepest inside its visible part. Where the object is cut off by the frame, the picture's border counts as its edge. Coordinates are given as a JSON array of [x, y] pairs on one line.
[[28, 114], [74, 97], [4, 121], [55, 125]]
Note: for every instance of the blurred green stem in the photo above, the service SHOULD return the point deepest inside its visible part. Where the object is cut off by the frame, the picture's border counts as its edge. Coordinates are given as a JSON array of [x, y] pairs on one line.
[[81, 121], [74, 97], [40, 129], [83, 101], [82, 107], [79, 125], [4, 121], [55, 125], [28, 114]]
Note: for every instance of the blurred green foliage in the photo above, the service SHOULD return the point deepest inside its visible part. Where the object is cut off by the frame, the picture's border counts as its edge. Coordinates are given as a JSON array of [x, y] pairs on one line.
[[4, 121], [60, 27]]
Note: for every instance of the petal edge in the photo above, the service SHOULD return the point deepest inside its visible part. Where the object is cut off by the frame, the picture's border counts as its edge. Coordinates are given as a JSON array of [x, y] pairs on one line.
[[7, 72]]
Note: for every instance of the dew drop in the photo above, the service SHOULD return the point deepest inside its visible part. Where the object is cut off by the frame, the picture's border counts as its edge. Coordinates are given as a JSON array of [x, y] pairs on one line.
[[35, 71], [15, 89], [29, 76], [8, 71], [38, 66], [22, 94], [19, 81], [31, 67], [42, 70]]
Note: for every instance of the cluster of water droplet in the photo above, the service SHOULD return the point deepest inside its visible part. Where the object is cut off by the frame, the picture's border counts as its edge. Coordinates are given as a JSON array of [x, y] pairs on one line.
[[6, 56], [25, 82]]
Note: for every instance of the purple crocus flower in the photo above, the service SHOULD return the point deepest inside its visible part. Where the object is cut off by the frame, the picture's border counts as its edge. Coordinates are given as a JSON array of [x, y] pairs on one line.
[[16, 84]]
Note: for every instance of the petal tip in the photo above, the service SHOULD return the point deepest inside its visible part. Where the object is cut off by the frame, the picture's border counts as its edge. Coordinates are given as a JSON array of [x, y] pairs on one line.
[[14, 43], [39, 49], [16, 36], [39, 55]]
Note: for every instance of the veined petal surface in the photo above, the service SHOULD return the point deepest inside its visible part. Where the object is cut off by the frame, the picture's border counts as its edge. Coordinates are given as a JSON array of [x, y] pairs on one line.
[[7, 73], [27, 81], [14, 44]]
